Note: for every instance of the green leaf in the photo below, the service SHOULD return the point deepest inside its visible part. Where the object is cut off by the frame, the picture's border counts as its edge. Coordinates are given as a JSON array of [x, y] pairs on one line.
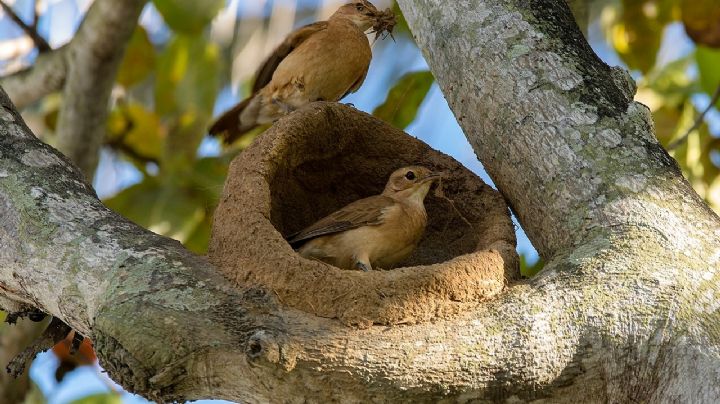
[[136, 131], [209, 174], [188, 16], [187, 76], [529, 270], [404, 99], [636, 31], [139, 59], [673, 80], [708, 61], [402, 26], [103, 398], [179, 206], [50, 118], [170, 209], [666, 122], [198, 241], [186, 85], [665, 91]]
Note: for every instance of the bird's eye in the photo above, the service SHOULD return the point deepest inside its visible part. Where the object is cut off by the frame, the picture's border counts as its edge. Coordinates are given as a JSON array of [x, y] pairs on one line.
[[360, 7], [410, 175]]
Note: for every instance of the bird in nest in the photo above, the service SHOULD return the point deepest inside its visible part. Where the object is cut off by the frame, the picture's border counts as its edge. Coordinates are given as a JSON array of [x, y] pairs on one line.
[[379, 231], [322, 61]]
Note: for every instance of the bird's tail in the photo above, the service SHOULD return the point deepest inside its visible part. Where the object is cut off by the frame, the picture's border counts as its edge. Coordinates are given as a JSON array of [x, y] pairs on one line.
[[229, 127]]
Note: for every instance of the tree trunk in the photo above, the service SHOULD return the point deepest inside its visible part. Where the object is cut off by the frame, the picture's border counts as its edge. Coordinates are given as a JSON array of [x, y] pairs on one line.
[[625, 310], [626, 307]]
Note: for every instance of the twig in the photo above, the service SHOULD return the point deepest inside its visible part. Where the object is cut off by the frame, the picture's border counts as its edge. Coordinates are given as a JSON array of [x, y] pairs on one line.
[[698, 121], [30, 31], [36, 15]]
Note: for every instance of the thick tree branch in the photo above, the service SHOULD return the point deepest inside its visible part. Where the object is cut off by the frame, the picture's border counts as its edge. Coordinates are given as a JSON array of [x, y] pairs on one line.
[[574, 145], [625, 310], [90, 79], [559, 134], [30, 30], [93, 300]]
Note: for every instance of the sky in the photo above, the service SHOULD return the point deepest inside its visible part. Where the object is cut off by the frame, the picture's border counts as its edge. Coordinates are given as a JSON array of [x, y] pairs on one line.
[[434, 125]]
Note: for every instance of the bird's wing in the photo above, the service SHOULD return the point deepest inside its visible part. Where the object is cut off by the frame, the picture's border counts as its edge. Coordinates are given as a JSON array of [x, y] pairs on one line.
[[292, 41], [364, 212], [357, 84]]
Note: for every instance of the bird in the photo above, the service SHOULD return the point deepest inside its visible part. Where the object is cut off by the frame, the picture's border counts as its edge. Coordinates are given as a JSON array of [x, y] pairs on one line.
[[322, 61], [378, 231]]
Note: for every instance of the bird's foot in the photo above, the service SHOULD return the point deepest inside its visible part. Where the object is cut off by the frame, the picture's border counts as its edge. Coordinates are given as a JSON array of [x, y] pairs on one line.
[[362, 266]]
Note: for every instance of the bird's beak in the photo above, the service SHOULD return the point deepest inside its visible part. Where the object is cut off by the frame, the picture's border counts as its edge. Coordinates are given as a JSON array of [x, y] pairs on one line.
[[431, 177]]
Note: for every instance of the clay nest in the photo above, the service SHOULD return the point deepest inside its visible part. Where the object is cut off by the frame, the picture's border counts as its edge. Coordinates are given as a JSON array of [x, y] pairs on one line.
[[324, 156]]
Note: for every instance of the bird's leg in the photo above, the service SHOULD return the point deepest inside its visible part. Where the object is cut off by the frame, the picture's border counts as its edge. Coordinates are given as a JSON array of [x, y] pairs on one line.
[[362, 263]]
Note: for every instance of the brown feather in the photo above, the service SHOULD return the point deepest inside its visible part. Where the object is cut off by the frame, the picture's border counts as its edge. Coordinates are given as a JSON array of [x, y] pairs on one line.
[[227, 125], [356, 86], [363, 212], [267, 69]]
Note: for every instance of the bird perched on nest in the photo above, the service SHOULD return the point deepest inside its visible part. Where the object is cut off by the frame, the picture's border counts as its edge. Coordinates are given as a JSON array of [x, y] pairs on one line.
[[380, 231], [323, 61]]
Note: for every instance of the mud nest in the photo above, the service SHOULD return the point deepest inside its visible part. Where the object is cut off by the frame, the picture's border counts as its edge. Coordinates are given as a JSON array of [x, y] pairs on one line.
[[324, 156]]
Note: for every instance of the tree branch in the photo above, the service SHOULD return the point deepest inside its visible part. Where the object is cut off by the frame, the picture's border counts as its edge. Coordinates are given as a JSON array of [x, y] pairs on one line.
[[568, 169], [92, 68], [92, 311], [30, 30], [45, 76], [103, 30]]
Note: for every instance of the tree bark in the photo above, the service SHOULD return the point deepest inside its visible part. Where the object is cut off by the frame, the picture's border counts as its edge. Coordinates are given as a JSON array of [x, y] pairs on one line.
[[632, 250], [91, 73], [85, 70], [625, 310], [46, 76]]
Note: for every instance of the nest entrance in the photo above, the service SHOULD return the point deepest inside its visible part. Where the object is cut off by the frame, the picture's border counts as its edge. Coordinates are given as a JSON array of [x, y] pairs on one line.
[[322, 157]]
